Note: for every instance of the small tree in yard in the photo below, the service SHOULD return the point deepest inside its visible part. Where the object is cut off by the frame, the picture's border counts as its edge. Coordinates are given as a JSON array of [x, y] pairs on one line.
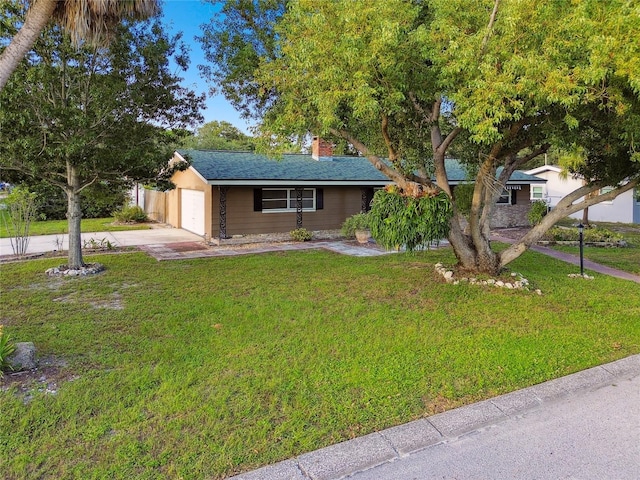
[[410, 83], [75, 116], [21, 211]]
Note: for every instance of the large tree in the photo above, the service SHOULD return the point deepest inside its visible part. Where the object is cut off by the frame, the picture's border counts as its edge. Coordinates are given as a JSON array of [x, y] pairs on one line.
[[217, 135], [85, 20], [74, 116], [407, 81]]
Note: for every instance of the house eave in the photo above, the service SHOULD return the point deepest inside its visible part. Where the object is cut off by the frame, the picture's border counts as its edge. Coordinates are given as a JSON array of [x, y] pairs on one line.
[[298, 183], [329, 183]]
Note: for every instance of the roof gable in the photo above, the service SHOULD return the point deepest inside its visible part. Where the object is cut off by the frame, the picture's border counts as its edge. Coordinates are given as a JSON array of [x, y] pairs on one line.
[[544, 168]]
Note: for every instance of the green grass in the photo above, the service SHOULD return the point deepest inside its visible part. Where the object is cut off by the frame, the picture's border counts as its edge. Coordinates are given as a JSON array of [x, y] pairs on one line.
[[206, 368], [627, 258], [58, 227]]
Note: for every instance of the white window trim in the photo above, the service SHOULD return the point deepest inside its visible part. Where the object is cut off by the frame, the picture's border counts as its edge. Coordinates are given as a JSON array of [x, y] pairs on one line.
[[505, 193], [291, 196], [542, 193]]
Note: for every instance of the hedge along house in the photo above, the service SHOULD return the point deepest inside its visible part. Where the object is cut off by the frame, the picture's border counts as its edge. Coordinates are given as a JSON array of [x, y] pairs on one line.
[[227, 193]]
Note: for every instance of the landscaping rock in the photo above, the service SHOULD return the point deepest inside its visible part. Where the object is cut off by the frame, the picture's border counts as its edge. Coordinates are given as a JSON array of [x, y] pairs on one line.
[[520, 284], [63, 270], [24, 357]]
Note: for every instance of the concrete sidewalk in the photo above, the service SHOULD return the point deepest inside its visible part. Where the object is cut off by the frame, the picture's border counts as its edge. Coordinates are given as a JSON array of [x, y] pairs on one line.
[[126, 238], [583, 426]]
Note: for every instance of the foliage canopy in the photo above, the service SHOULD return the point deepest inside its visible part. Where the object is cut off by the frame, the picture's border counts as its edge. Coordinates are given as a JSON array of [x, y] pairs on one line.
[[498, 83]]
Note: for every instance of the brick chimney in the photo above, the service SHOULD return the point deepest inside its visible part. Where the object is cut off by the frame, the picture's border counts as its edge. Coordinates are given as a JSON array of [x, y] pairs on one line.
[[321, 150]]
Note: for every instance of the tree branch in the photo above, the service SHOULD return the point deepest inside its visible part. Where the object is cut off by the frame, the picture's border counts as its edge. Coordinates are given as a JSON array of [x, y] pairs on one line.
[[492, 20], [391, 173], [393, 155], [563, 209], [448, 139]]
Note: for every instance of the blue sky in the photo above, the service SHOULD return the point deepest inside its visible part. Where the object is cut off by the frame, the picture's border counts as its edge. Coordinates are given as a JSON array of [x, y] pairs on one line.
[[186, 16]]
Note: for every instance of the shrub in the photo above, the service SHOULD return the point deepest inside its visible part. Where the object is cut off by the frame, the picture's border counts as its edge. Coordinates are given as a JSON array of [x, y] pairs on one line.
[[130, 214], [300, 235], [399, 220], [6, 349], [21, 208], [359, 221], [537, 212], [94, 244], [98, 200], [559, 234]]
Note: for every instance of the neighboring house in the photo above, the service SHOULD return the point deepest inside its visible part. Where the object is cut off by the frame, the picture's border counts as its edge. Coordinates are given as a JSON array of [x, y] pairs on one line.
[[227, 193], [625, 208]]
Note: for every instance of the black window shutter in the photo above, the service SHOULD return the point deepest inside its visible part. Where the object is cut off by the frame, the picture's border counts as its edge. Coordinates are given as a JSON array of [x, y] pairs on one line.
[[319, 198], [514, 194], [257, 199]]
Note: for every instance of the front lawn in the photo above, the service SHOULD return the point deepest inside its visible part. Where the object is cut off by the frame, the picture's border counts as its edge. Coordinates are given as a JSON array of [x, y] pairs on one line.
[[60, 227], [623, 258], [206, 368]]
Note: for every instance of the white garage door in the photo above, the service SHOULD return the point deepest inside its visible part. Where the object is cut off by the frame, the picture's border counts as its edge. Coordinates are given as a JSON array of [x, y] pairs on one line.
[[192, 211]]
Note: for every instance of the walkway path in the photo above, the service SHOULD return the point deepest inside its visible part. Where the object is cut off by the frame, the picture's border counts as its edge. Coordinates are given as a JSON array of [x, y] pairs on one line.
[[185, 250]]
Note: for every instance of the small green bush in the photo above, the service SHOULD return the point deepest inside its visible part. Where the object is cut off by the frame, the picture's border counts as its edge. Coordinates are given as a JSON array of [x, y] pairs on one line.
[[300, 235], [130, 214], [359, 221], [537, 212], [7, 347], [590, 235], [94, 244]]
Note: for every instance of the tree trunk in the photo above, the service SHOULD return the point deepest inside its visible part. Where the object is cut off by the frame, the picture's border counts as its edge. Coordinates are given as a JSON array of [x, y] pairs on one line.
[[37, 17], [473, 252], [74, 217]]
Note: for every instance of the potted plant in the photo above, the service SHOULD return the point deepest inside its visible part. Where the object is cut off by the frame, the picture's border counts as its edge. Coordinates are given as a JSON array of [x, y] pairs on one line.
[[357, 226]]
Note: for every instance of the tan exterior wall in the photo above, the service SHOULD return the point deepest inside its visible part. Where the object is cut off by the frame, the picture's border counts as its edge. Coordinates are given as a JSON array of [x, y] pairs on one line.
[[339, 203]]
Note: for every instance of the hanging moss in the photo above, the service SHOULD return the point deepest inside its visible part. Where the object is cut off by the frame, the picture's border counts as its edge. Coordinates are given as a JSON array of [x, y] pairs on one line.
[[399, 220]]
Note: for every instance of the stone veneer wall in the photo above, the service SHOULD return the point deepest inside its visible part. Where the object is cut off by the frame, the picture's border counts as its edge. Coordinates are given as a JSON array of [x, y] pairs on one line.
[[508, 216]]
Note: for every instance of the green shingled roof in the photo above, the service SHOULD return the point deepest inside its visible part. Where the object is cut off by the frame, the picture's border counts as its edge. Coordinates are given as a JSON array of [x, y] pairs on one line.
[[227, 167]]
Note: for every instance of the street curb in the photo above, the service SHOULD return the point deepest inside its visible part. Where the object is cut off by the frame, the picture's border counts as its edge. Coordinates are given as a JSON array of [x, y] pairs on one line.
[[347, 458]]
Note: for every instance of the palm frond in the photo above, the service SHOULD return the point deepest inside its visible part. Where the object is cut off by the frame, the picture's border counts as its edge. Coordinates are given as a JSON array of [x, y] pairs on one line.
[[94, 21]]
